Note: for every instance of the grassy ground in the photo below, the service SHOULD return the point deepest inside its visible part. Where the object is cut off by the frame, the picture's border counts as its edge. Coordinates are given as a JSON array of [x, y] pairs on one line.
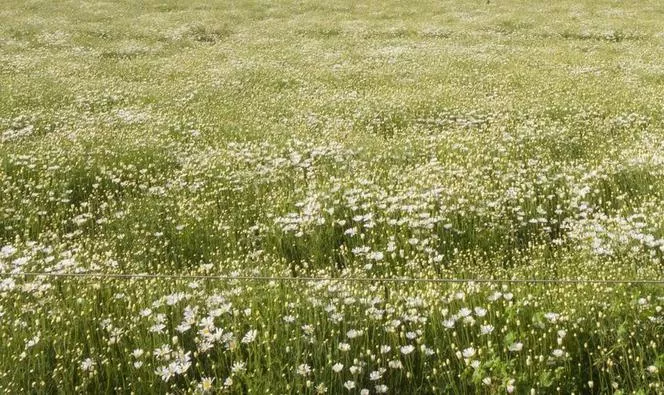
[[465, 139]]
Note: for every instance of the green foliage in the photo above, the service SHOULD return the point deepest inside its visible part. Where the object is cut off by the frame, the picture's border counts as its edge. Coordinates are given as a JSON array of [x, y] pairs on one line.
[[341, 139]]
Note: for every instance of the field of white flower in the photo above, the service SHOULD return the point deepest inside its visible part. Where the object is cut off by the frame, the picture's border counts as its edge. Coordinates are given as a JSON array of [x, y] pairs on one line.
[[343, 145]]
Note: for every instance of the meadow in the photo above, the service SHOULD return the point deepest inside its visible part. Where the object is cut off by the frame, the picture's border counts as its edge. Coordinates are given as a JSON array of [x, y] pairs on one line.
[[267, 188]]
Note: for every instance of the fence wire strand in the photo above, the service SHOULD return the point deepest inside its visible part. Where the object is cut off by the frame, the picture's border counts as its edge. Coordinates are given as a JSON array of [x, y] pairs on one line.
[[144, 276]]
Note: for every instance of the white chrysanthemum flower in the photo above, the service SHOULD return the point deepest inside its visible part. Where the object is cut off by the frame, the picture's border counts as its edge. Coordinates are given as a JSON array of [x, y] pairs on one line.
[[163, 352], [395, 364], [515, 347], [204, 346], [165, 373], [385, 349], [468, 352], [308, 329], [495, 296], [337, 367], [376, 255], [381, 389], [206, 384], [32, 342], [157, 328], [426, 350], [250, 336], [7, 284], [552, 317], [303, 369], [175, 298], [87, 365], [350, 232], [375, 375], [182, 363], [349, 385], [7, 251], [238, 367], [449, 324], [407, 349], [464, 312], [486, 329]]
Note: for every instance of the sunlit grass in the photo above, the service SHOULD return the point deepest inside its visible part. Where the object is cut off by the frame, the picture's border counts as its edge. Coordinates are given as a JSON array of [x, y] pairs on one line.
[[466, 139]]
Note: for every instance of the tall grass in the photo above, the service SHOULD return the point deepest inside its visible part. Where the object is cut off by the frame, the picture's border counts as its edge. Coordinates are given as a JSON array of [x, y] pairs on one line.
[[335, 140]]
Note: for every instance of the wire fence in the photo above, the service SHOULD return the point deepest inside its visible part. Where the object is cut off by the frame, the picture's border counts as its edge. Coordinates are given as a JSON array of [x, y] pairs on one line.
[[128, 276]]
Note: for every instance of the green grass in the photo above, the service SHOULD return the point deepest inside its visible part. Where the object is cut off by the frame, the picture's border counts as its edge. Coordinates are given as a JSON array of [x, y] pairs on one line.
[[447, 139]]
